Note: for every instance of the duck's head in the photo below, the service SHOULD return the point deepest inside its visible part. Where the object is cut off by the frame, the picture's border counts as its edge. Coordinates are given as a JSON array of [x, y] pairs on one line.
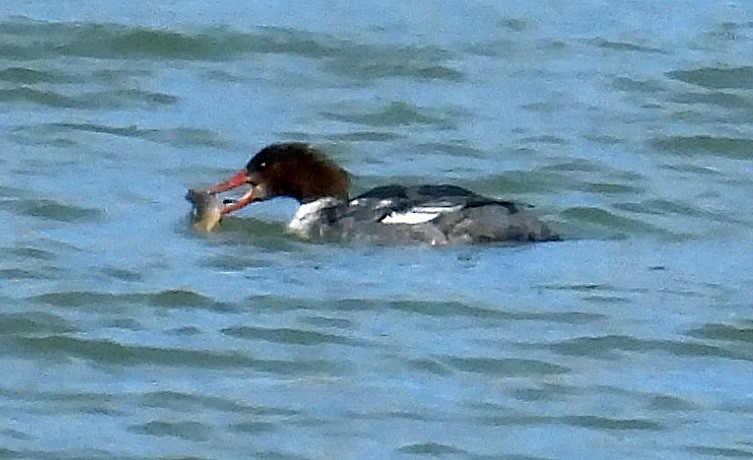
[[290, 169]]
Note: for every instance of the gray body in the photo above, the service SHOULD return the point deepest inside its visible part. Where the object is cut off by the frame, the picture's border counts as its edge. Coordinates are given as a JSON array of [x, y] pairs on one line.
[[429, 214]]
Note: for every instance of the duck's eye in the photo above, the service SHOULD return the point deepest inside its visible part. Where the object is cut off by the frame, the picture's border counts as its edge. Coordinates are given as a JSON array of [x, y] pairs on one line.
[[263, 164]]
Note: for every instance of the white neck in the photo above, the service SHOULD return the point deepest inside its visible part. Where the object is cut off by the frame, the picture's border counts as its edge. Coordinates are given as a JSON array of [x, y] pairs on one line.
[[307, 214]]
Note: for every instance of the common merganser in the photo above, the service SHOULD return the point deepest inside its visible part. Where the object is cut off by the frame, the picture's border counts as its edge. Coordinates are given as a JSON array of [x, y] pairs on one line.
[[428, 214]]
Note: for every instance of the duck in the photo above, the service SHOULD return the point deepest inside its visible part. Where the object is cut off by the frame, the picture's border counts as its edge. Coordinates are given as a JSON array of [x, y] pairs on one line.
[[435, 215]]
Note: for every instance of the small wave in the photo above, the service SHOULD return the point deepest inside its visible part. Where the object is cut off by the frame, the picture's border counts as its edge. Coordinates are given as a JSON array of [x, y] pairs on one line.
[[40, 97], [609, 423], [736, 148], [510, 367], [27, 76], [38, 273], [30, 252], [540, 180], [610, 188], [724, 332], [632, 85], [122, 97], [658, 207], [432, 449], [371, 62], [114, 41], [33, 323], [721, 452], [110, 352], [186, 402], [88, 101], [287, 336], [363, 136], [670, 404], [178, 137], [254, 427], [716, 77], [173, 298], [52, 210], [721, 99], [661, 207], [607, 347], [394, 114], [122, 274], [459, 148], [595, 422], [623, 46], [430, 366], [190, 431], [493, 48], [615, 225]]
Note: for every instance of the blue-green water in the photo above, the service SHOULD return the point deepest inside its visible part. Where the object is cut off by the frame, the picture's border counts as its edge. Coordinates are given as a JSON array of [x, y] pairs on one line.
[[125, 335]]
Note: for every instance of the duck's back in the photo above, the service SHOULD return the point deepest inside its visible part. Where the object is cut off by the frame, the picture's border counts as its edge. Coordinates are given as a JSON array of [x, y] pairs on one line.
[[428, 214]]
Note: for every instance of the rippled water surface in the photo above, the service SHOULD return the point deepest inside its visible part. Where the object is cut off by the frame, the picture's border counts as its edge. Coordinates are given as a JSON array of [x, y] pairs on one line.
[[124, 334]]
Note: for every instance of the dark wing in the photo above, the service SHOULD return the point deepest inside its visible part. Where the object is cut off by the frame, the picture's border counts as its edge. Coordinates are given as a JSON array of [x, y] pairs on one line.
[[418, 203]]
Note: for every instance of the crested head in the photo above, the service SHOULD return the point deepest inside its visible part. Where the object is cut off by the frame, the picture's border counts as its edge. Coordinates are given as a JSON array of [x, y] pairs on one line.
[[297, 170]]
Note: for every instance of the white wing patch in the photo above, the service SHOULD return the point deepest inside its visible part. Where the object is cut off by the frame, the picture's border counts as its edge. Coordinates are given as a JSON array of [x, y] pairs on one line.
[[419, 214]]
